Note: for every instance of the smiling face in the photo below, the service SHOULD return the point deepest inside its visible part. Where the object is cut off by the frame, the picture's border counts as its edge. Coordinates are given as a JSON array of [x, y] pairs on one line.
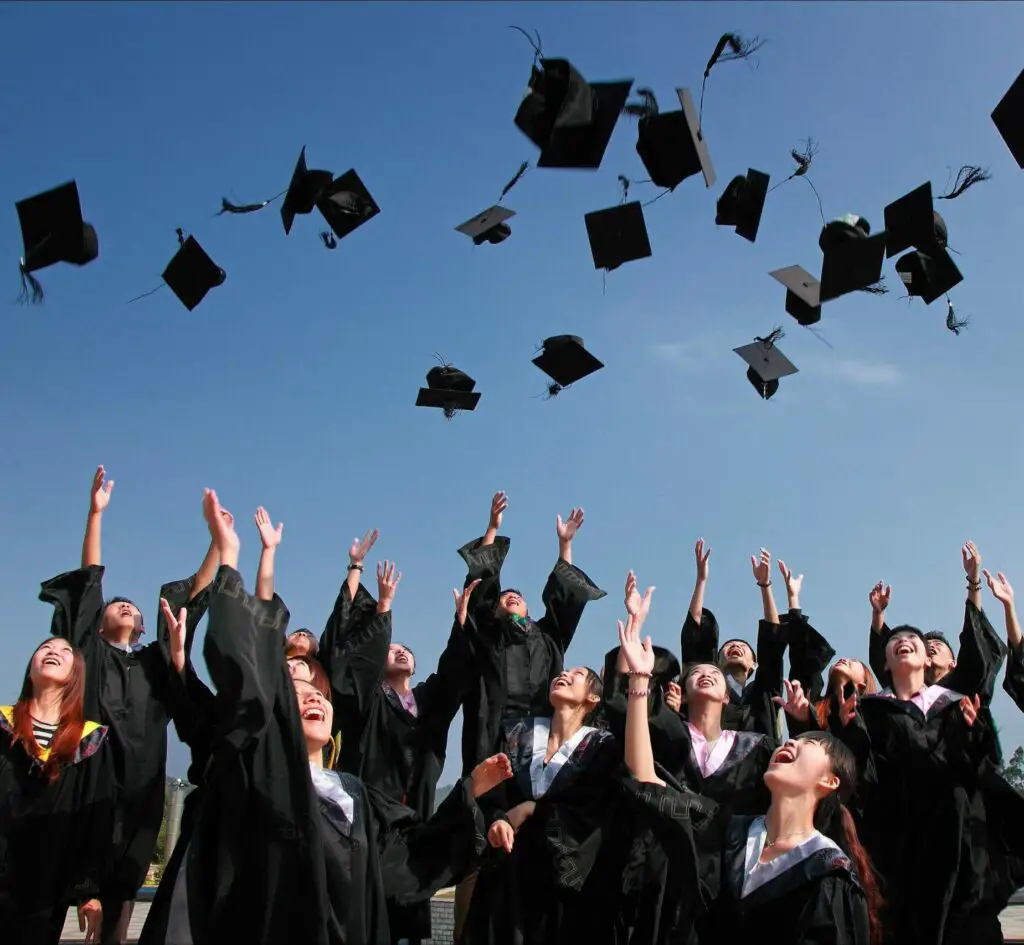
[[301, 643], [942, 658], [848, 670], [736, 655], [122, 621], [317, 714], [800, 766], [52, 663], [511, 602], [299, 670], [577, 687], [905, 653], [705, 682], [400, 661]]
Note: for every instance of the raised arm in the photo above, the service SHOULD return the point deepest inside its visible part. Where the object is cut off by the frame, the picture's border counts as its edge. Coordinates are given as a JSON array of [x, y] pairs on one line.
[[761, 565], [484, 558], [356, 555], [879, 600], [271, 539], [638, 655], [1013, 684], [91, 546], [809, 652]]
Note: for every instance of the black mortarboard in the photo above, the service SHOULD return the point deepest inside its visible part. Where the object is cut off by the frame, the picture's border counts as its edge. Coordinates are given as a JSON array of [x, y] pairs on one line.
[[52, 231], [852, 260], [803, 294], [912, 221], [767, 365], [565, 360], [1008, 117], [303, 191], [450, 389], [489, 226], [617, 235], [568, 118], [191, 274], [346, 204], [928, 276], [672, 146], [742, 203]]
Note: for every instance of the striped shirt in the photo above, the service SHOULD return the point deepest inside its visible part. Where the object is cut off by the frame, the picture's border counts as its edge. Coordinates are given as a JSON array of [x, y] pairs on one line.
[[43, 733]]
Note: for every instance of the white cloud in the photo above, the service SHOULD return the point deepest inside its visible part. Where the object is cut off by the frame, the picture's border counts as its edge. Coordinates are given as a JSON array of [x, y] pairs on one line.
[[867, 372]]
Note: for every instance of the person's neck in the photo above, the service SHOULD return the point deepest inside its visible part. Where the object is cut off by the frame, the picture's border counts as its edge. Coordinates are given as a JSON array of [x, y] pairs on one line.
[[400, 683], [705, 715], [316, 754], [114, 638], [44, 706], [907, 684], [790, 820], [739, 673], [566, 722], [936, 674]]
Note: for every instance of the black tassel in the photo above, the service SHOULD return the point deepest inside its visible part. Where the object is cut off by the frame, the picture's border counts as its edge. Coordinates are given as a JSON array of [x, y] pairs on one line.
[[553, 390], [31, 291], [523, 168], [226, 206], [327, 237], [877, 288], [953, 323], [967, 177], [181, 236], [774, 335], [804, 159], [730, 46], [642, 109], [624, 183], [537, 54]]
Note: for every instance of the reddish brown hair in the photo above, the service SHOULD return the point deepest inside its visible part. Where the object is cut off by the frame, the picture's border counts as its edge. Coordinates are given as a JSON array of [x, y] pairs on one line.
[[824, 705], [317, 675], [72, 719]]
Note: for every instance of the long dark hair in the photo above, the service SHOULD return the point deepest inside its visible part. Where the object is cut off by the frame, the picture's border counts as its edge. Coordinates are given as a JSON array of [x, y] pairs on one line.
[[65, 740], [823, 706], [833, 818]]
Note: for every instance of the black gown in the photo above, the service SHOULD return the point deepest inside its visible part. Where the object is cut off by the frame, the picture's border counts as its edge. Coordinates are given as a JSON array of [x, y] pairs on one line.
[[1013, 684], [54, 838], [816, 900], [556, 885], [271, 861], [130, 692], [809, 653], [398, 756], [513, 663]]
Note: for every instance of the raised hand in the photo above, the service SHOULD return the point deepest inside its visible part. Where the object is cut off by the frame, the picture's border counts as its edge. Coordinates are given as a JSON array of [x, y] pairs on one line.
[[387, 583], [637, 606], [176, 628], [489, 774], [793, 582], [360, 549], [270, 536], [501, 836], [222, 531], [972, 562], [462, 601], [498, 505], [970, 708], [567, 529], [702, 560], [639, 655], [1000, 588], [795, 704], [227, 516], [674, 696], [879, 597], [847, 709], [100, 491], [762, 567]]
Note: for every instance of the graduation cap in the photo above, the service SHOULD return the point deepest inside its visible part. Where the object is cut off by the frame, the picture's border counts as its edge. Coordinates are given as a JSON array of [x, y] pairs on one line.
[[767, 363], [449, 389], [491, 226], [346, 204], [742, 203], [565, 361], [803, 294], [299, 198], [928, 276], [852, 259], [569, 119], [670, 144], [1008, 117], [191, 273], [53, 231], [617, 235]]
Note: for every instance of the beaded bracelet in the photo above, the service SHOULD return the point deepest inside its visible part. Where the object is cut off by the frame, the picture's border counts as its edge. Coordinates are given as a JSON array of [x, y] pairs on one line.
[[639, 673], [973, 585], [638, 692], [355, 567], [759, 584]]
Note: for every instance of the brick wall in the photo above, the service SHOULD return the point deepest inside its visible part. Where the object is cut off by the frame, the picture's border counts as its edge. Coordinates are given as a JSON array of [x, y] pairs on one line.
[[442, 921]]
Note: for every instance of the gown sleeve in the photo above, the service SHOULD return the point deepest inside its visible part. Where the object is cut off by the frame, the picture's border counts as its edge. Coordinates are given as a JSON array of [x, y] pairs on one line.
[[566, 594], [876, 651], [838, 914], [94, 822], [762, 712], [698, 643], [77, 599], [1013, 684], [178, 594], [439, 696], [980, 656], [483, 563], [809, 654]]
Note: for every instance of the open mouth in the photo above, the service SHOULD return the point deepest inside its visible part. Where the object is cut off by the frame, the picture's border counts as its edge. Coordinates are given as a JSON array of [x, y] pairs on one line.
[[903, 648], [560, 681], [705, 682], [314, 715], [734, 653], [51, 661], [784, 756], [401, 658]]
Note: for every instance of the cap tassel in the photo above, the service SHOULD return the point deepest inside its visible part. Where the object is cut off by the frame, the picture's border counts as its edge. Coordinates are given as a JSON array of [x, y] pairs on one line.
[[643, 109], [738, 48], [226, 206], [774, 335], [966, 177], [876, 288], [327, 237], [953, 323], [523, 168], [31, 291], [536, 44]]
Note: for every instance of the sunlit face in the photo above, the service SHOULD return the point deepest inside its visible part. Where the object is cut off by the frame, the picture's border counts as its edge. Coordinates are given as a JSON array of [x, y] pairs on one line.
[[800, 766], [122, 618], [905, 652], [941, 656], [299, 643], [299, 670], [511, 602], [571, 687], [850, 671], [52, 663], [400, 660], [706, 682], [737, 655], [317, 714]]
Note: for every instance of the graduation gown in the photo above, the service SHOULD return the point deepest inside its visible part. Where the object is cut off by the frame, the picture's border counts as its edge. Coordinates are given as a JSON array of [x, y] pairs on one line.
[[1013, 684], [750, 709], [129, 691], [513, 663], [809, 653], [54, 838], [812, 897], [918, 774], [398, 756], [271, 859], [556, 885]]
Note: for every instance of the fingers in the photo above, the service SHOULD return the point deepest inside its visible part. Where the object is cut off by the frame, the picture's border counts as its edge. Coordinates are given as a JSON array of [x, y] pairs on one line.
[[647, 644], [182, 617], [622, 633], [81, 915]]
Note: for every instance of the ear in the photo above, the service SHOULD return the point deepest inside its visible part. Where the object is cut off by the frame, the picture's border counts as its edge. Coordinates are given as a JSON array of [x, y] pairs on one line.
[[830, 782], [593, 698], [952, 663]]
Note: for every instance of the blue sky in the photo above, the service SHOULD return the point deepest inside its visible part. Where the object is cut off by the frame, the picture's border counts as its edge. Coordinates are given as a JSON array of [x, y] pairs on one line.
[[293, 385]]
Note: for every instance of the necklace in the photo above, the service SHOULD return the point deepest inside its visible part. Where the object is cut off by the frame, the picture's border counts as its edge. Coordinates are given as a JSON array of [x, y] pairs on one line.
[[789, 836]]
